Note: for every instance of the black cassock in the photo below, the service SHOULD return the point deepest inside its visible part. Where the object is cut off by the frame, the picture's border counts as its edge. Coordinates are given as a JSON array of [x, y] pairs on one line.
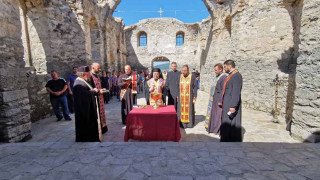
[[127, 100], [172, 87], [86, 117], [231, 130]]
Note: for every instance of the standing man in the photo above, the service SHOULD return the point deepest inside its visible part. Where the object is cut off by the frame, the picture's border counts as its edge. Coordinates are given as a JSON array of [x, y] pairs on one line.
[[164, 74], [147, 76], [231, 130], [105, 85], [213, 117], [197, 74], [187, 98], [172, 85], [57, 88], [95, 82], [155, 84], [70, 81], [141, 80], [114, 83], [135, 82], [125, 84], [87, 115]]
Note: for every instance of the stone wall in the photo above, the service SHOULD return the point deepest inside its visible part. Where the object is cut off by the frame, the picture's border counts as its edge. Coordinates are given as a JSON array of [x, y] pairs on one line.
[[259, 38], [40, 105], [48, 35], [15, 122], [264, 38], [116, 52], [64, 34], [161, 42], [306, 111], [56, 36]]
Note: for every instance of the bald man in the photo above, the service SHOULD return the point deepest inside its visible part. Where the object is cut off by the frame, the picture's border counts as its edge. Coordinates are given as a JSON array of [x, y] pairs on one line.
[[125, 84], [95, 82]]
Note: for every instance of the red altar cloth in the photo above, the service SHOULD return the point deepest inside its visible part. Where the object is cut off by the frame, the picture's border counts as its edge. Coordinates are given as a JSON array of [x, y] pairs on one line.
[[153, 124]]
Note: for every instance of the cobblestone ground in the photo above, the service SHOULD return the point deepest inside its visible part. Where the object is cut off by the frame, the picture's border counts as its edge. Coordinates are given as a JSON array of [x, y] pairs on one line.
[[268, 152]]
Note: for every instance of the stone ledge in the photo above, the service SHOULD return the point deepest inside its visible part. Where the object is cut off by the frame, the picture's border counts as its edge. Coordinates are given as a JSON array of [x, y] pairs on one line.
[[10, 96]]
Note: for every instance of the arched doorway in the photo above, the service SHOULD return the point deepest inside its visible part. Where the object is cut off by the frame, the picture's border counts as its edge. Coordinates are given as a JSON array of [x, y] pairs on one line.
[[161, 62]]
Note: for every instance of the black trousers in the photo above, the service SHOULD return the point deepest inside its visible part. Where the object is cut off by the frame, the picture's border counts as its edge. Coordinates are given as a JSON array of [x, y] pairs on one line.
[[134, 97], [70, 103], [114, 91], [106, 97]]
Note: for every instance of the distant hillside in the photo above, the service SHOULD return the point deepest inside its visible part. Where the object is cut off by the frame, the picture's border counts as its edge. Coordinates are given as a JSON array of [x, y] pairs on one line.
[[164, 66]]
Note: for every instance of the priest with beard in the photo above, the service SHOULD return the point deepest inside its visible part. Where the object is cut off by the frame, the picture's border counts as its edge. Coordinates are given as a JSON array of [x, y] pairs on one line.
[[95, 82], [231, 130], [213, 116], [126, 98], [87, 117], [172, 85], [186, 98], [155, 84]]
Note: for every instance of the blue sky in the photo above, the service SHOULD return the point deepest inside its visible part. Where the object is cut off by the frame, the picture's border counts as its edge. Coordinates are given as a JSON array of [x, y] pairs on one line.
[[135, 10]]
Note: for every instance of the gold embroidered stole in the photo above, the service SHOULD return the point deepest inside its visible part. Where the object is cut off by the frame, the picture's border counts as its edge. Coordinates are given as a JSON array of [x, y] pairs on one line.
[[185, 87], [99, 125], [157, 88], [134, 84]]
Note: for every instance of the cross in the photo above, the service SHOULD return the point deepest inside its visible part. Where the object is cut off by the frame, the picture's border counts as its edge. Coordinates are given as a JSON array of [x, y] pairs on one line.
[[276, 82], [160, 11]]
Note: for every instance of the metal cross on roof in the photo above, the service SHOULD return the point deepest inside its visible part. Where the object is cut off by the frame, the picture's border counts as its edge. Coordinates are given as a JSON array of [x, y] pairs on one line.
[[160, 11]]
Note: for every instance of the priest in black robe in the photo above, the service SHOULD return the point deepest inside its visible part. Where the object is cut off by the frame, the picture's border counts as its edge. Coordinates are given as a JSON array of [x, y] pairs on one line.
[[87, 121], [186, 98], [214, 112], [172, 85], [95, 82], [231, 130], [125, 84]]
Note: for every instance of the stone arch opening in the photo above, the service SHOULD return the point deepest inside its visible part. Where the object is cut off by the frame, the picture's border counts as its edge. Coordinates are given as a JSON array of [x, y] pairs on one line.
[[95, 55], [161, 62], [33, 39]]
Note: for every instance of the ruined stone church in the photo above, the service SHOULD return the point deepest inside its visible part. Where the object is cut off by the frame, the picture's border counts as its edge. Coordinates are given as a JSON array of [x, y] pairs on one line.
[[264, 38]]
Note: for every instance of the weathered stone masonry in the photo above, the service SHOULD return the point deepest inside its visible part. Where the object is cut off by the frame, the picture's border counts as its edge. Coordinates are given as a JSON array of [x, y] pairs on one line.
[[38, 36], [265, 38]]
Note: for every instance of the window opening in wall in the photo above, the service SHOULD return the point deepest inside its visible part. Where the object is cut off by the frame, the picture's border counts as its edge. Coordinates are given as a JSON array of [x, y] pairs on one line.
[[180, 39], [143, 40]]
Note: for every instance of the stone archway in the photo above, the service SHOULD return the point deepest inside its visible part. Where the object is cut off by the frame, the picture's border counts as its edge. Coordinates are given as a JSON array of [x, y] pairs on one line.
[[95, 41], [161, 62]]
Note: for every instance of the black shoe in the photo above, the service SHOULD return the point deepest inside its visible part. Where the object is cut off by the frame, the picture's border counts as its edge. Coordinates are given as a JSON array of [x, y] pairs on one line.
[[181, 125], [68, 119], [59, 119], [104, 129]]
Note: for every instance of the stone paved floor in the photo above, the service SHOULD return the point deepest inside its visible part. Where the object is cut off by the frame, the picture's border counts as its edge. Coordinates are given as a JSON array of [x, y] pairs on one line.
[[267, 152]]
